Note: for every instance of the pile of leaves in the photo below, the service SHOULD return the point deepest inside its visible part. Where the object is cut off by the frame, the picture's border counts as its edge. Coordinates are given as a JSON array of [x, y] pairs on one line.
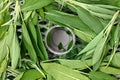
[[95, 56]]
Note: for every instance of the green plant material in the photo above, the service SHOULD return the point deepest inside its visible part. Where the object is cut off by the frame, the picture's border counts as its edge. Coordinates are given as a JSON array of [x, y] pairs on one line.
[[32, 30], [41, 13], [33, 65], [23, 50], [50, 77], [34, 18], [100, 76], [32, 5], [116, 39], [1, 19], [6, 7], [3, 30], [17, 12], [31, 74], [3, 77], [106, 2], [7, 19], [108, 7], [99, 36], [76, 64], [110, 70], [62, 2], [14, 48], [83, 35], [116, 59], [60, 46], [97, 65], [3, 49], [67, 20], [86, 21], [98, 43], [88, 55], [1, 5], [92, 44], [70, 44], [89, 19], [27, 15], [99, 51], [28, 43], [3, 65], [40, 43], [33, 36], [102, 12], [51, 7], [18, 77], [58, 71]]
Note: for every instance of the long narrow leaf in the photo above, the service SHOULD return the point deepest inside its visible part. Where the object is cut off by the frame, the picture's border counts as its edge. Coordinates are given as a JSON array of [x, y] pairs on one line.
[[28, 43], [59, 72], [35, 4], [89, 19], [14, 50], [41, 43]]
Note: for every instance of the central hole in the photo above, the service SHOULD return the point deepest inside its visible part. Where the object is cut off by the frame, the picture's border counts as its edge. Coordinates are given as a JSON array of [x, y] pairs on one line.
[[60, 36]]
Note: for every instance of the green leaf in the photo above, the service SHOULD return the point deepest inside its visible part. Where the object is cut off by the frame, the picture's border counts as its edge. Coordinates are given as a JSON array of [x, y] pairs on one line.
[[98, 51], [116, 60], [100, 76], [32, 30], [76, 64], [41, 13], [31, 74], [14, 49], [3, 49], [35, 4], [102, 12], [100, 40], [92, 44], [41, 43], [82, 35], [89, 19], [71, 21], [34, 18], [99, 9], [59, 72], [10, 35], [116, 39], [60, 46], [33, 37], [70, 44], [28, 43], [68, 19], [18, 77], [2, 31], [50, 77], [3, 65], [27, 15], [110, 70]]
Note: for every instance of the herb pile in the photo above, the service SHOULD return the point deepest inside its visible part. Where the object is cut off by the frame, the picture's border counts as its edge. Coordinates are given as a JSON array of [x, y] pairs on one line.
[[95, 56]]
